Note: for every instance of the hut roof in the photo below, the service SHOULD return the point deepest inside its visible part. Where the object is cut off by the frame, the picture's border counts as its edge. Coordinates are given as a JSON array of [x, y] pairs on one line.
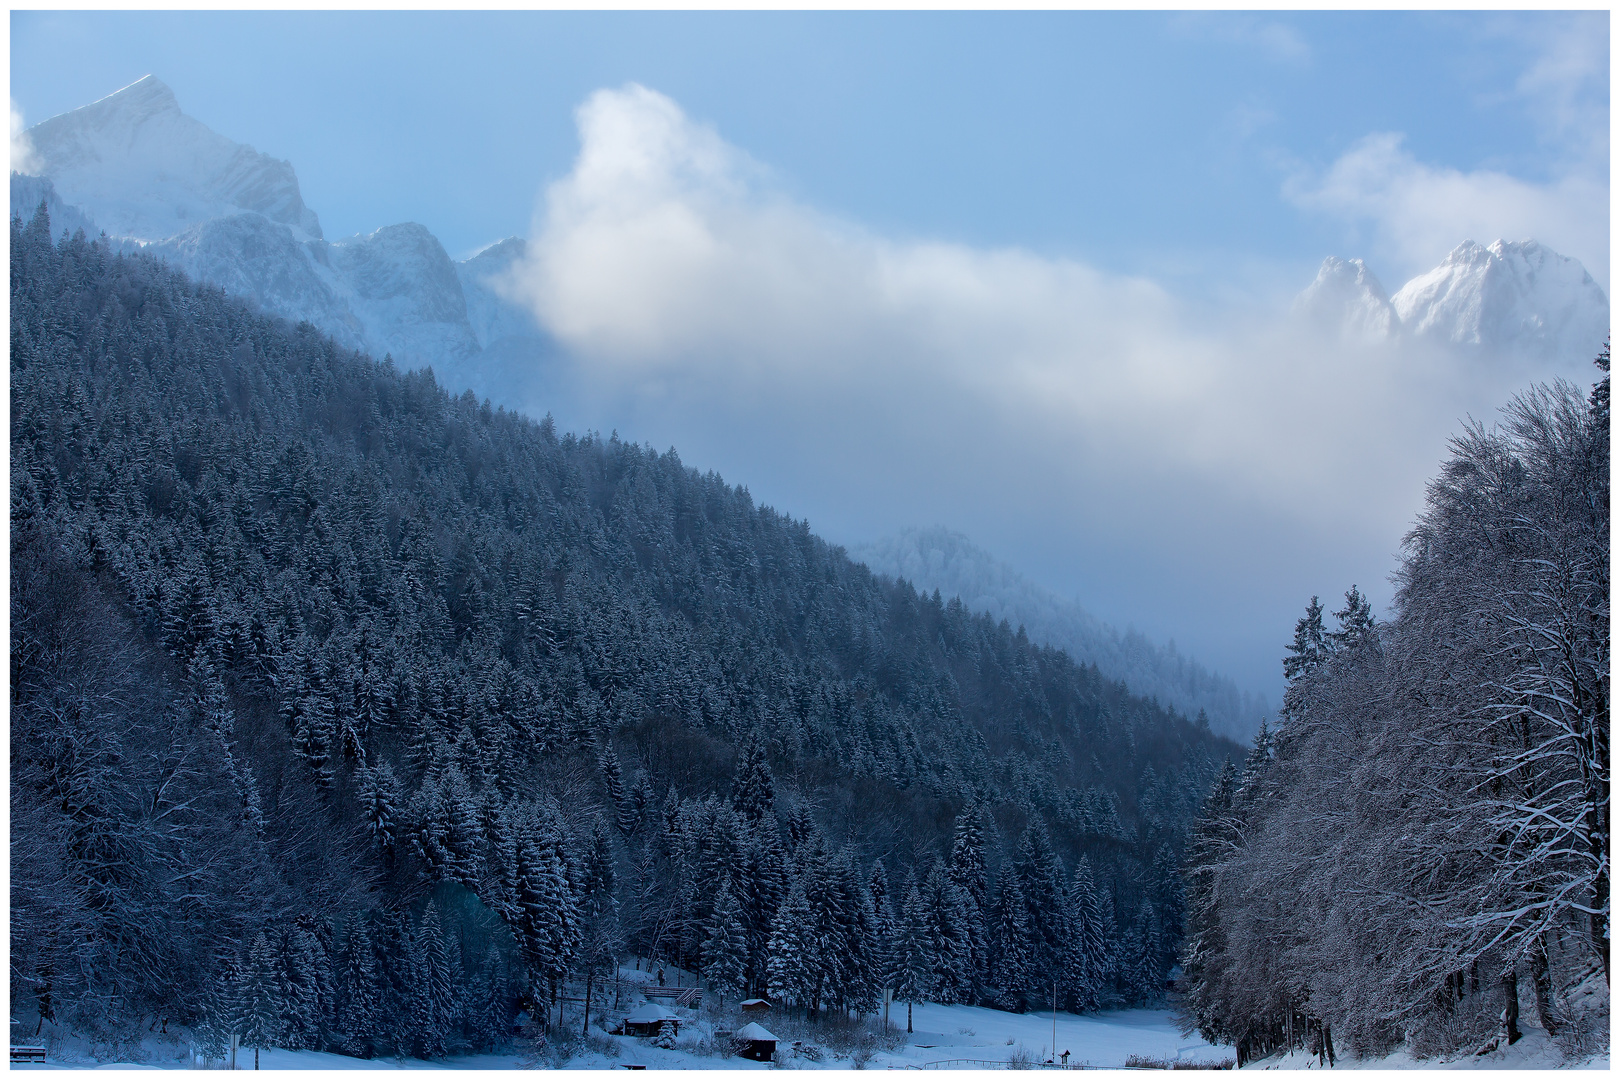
[[650, 1013], [754, 1033], [757, 1001]]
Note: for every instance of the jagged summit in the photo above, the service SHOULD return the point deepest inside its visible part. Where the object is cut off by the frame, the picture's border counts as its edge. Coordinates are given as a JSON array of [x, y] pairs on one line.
[[1514, 297], [1346, 297], [1518, 295], [147, 171], [147, 96], [133, 165]]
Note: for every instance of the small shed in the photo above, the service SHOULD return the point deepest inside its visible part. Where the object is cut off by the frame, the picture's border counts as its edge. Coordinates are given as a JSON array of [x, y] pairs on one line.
[[649, 1018], [756, 1006], [755, 1042]]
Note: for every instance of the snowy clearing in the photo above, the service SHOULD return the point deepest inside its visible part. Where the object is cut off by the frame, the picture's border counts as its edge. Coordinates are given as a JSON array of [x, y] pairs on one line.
[[954, 1037], [964, 1034]]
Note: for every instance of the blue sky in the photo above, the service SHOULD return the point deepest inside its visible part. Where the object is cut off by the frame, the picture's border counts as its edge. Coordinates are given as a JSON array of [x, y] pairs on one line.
[[1084, 225], [1138, 141]]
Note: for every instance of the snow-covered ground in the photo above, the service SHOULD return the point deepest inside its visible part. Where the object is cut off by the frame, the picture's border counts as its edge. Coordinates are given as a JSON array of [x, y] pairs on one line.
[[1586, 1005], [1534, 1051], [942, 1033], [944, 1036]]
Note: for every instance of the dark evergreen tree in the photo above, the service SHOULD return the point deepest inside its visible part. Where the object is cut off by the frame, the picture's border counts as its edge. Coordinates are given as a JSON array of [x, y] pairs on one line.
[[725, 949], [1011, 961], [434, 984], [948, 940], [794, 955], [371, 621], [753, 790], [1310, 646], [971, 877], [913, 974], [257, 1018], [1040, 879], [358, 1005]]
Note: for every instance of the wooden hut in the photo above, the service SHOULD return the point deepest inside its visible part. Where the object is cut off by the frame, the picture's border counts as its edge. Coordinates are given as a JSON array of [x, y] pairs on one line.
[[756, 1006], [753, 1041], [646, 1020]]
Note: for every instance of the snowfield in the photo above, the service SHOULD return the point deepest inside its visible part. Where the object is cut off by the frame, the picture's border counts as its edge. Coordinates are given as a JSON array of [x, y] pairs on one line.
[[957, 1037], [964, 1034]]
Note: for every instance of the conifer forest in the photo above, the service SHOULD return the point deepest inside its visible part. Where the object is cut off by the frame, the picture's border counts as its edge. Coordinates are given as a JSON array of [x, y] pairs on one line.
[[351, 715]]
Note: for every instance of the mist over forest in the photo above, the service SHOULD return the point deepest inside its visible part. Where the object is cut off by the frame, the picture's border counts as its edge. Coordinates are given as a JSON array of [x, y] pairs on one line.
[[350, 715], [370, 707]]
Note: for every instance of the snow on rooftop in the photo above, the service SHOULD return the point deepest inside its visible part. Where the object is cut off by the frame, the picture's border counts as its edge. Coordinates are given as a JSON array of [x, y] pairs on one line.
[[650, 1012]]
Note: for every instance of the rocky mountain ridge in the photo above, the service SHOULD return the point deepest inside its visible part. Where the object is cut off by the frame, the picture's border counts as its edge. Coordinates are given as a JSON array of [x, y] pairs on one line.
[[1517, 298], [134, 166], [939, 558]]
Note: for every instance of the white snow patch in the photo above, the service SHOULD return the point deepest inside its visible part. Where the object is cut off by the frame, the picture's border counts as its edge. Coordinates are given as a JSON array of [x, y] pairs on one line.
[[942, 1033]]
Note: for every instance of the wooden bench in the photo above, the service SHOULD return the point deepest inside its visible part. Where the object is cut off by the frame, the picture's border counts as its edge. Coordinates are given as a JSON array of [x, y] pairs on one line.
[[25, 1055]]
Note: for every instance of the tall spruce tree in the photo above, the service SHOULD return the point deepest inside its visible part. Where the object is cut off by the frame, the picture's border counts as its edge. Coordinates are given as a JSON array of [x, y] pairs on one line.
[[913, 973], [257, 1002], [358, 1005], [1088, 941], [725, 948], [1011, 960], [753, 789]]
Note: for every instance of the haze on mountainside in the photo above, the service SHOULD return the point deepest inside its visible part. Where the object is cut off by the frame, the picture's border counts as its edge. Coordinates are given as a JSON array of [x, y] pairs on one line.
[[938, 558], [666, 286]]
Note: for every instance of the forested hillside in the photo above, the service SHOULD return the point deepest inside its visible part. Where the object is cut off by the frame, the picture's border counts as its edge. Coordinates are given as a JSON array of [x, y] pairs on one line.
[[350, 714], [1424, 839], [938, 558]]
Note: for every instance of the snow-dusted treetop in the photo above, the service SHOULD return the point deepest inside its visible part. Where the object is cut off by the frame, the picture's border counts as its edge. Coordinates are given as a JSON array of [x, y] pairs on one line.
[[150, 171]]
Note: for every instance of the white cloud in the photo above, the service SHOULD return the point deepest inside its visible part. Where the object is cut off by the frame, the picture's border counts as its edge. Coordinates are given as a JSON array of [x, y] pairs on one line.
[[23, 158], [1419, 212], [1058, 413], [1277, 41], [1567, 81], [665, 255]]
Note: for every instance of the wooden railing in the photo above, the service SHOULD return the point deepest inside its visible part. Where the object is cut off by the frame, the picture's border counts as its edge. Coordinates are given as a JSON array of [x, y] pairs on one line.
[[687, 997]]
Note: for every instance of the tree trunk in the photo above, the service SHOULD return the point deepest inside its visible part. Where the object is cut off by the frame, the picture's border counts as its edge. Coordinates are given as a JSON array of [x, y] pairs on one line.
[[1510, 1009], [1600, 921], [1542, 981], [908, 1018], [590, 979]]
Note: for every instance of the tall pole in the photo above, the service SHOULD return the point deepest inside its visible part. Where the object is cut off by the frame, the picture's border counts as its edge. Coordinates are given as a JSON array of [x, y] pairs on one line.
[[1054, 1019]]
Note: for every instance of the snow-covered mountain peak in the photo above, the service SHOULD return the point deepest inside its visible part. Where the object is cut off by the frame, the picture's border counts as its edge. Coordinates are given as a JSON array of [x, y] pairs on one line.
[[150, 172], [1518, 296], [1347, 298], [1512, 298], [142, 99]]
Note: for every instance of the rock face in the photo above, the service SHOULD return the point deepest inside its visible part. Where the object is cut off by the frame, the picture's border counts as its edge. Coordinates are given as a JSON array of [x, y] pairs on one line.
[[149, 171], [491, 315], [1346, 297], [1516, 298], [134, 166]]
